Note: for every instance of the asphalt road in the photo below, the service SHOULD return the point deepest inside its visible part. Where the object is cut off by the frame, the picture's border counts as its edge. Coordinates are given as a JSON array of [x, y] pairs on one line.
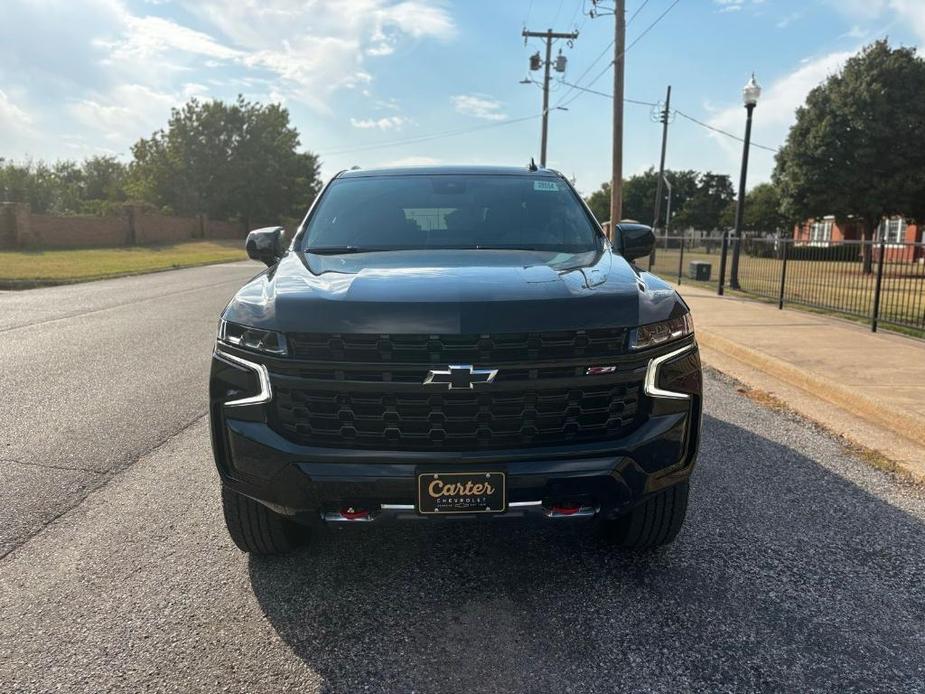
[[95, 375], [799, 569]]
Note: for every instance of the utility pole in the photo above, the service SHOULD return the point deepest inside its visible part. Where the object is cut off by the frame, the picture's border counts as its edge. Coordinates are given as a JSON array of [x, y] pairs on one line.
[[619, 49], [661, 164], [666, 112], [559, 66]]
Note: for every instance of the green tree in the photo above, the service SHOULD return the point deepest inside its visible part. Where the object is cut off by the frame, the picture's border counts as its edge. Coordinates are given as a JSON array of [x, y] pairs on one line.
[[104, 179], [703, 210], [599, 202], [762, 211], [639, 195], [56, 189], [854, 150], [226, 160]]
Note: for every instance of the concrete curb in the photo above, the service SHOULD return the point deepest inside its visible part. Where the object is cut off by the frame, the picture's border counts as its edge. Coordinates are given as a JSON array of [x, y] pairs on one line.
[[22, 285], [878, 412]]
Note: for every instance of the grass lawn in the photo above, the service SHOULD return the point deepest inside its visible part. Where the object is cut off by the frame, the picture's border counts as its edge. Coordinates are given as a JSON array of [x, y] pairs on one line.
[[826, 286], [42, 267]]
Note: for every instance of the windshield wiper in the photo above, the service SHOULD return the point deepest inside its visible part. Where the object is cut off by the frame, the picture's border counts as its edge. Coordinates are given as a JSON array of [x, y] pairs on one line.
[[338, 250]]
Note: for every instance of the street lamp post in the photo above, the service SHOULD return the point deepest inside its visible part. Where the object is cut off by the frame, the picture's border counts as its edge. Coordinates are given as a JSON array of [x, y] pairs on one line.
[[750, 94]]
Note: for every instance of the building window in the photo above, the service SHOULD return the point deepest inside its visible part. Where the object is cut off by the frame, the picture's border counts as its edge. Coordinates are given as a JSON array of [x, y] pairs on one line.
[[892, 230], [820, 232]]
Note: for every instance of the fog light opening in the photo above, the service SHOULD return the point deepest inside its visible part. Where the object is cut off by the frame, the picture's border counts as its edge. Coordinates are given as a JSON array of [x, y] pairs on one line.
[[566, 509]]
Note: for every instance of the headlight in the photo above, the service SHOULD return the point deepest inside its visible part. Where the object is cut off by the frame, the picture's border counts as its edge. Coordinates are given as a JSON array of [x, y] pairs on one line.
[[256, 339], [661, 333]]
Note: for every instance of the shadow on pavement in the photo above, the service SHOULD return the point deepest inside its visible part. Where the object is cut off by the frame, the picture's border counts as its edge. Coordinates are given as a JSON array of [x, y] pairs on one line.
[[785, 576]]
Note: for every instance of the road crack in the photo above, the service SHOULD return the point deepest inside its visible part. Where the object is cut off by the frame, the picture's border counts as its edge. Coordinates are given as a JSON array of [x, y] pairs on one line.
[[48, 466], [97, 483]]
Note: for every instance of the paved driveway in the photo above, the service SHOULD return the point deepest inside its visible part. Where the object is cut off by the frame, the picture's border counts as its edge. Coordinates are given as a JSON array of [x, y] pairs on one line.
[[799, 569]]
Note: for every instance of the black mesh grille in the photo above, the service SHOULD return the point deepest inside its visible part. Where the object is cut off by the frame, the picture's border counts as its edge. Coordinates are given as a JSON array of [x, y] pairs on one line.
[[457, 349], [456, 421]]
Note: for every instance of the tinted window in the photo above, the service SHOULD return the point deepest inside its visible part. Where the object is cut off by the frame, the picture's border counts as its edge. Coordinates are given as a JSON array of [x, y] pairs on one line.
[[447, 211]]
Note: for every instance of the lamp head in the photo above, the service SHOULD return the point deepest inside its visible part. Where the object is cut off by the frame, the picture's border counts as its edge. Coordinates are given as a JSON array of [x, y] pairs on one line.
[[751, 92]]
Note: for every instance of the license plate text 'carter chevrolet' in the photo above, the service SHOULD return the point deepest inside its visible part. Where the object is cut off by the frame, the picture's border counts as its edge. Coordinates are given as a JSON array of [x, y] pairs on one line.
[[453, 341]]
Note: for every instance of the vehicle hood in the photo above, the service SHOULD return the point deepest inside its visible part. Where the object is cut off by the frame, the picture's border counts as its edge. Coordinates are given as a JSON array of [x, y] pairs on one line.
[[452, 292]]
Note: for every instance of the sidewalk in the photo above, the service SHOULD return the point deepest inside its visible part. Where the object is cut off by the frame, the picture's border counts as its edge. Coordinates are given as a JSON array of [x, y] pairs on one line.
[[869, 387]]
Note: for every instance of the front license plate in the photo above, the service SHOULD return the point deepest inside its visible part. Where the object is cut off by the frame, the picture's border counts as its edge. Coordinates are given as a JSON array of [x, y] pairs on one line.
[[461, 492]]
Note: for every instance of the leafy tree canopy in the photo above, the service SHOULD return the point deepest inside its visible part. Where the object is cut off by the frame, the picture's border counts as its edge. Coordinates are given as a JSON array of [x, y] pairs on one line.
[[639, 193], [237, 160], [65, 186], [855, 148], [226, 160], [762, 211]]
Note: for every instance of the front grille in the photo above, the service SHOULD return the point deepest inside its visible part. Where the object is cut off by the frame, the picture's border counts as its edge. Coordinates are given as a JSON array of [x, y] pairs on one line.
[[457, 349], [465, 420]]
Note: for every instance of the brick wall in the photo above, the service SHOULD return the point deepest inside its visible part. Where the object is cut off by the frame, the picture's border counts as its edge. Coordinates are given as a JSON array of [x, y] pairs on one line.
[[7, 228], [217, 229], [154, 227], [20, 228], [79, 231]]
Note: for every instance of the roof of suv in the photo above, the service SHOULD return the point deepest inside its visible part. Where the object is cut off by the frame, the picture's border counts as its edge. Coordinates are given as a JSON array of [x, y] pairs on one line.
[[451, 170]]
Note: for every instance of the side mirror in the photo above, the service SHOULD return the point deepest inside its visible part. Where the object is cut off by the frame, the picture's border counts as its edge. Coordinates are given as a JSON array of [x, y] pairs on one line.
[[265, 245], [634, 240]]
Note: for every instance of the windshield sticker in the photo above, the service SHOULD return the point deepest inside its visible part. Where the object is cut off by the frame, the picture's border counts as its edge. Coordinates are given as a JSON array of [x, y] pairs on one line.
[[546, 185]]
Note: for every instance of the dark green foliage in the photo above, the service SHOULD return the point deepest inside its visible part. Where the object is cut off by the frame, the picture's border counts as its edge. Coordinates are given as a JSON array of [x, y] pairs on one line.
[[639, 195], [763, 211], [238, 160], [226, 160], [65, 187], [856, 149]]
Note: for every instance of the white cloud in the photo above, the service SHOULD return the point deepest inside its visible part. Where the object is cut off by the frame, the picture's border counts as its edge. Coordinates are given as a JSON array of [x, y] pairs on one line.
[[333, 38], [12, 116], [128, 111], [478, 105], [384, 123], [17, 128], [908, 13], [912, 13], [412, 160], [150, 37], [776, 108], [789, 19], [729, 5]]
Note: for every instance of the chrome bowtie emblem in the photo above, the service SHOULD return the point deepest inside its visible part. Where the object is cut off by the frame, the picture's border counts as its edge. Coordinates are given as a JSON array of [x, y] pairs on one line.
[[460, 376]]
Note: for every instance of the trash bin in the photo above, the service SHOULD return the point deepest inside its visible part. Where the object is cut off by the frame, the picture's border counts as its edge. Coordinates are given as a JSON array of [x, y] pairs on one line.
[[699, 270]]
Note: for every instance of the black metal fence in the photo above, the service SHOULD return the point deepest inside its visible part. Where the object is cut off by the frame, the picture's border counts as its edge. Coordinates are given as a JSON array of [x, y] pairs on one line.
[[881, 283]]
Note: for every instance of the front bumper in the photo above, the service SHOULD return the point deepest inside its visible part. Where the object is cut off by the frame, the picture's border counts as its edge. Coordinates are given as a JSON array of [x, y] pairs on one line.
[[308, 482]]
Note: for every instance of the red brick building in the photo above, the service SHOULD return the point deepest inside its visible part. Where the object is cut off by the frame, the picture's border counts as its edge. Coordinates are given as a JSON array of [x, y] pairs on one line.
[[893, 230]]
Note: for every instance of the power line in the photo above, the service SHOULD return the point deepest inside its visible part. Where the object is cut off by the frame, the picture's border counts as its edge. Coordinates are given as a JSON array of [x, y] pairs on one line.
[[425, 138], [609, 96], [578, 7], [625, 51], [638, 10], [723, 132], [652, 25], [587, 70], [680, 113], [558, 10]]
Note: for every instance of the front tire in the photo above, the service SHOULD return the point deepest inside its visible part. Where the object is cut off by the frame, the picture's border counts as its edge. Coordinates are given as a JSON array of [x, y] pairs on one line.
[[653, 523], [256, 529]]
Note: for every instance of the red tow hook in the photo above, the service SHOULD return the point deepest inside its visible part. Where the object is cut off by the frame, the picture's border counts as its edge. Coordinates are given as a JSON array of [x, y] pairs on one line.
[[352, 513], [566, 509]]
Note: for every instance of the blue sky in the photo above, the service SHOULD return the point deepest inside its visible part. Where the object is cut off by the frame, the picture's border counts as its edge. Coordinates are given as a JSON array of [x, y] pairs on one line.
[[80, 77]]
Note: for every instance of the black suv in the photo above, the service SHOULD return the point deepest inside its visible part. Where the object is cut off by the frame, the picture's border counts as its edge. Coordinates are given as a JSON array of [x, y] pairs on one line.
[[453, 341]]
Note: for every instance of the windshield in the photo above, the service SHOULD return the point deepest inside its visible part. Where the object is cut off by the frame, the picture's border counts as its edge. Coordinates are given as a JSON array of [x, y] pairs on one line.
[[418, 211]]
